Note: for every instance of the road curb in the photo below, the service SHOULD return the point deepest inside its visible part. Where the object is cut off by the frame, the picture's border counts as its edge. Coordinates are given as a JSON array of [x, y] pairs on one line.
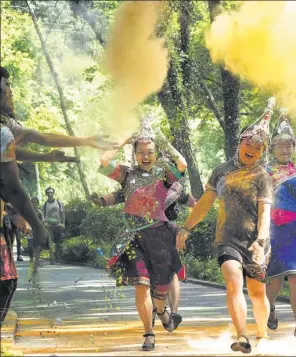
[[8, 329], [222, 286]]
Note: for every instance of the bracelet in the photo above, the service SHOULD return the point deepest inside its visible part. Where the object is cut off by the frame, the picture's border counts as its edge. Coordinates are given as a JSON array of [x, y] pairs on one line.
[[187, 230]]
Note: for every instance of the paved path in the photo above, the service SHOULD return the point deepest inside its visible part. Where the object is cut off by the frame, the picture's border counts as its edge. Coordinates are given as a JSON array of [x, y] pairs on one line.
[[78, 310]]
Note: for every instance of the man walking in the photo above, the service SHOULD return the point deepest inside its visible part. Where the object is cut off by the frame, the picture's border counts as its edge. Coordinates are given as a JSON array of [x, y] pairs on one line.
[[54, 216]]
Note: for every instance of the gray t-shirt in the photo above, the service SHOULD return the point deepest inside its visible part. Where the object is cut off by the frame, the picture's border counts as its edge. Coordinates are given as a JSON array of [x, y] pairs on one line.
[[239, 190]]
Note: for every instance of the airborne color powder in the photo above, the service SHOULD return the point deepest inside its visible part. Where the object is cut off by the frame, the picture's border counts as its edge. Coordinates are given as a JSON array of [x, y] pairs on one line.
[[258, 42], [137, 62]]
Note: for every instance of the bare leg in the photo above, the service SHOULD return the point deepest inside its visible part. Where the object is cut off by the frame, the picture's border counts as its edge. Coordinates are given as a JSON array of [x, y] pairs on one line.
[[292, 285], [273, 289], [144, 307], [236, 302], [257, 293], [174, 294], [160, 306]]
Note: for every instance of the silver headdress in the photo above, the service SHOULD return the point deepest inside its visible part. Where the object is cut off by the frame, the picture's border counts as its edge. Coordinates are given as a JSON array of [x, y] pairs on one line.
[[146, 132], [258, 132], [283, 131]]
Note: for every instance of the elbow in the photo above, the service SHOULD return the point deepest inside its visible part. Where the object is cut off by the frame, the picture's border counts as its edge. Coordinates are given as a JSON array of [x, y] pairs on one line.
[[182, 165]]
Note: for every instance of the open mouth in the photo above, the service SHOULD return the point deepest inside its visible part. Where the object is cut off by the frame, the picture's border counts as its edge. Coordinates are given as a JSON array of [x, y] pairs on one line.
[[146, 163], [248, 155]]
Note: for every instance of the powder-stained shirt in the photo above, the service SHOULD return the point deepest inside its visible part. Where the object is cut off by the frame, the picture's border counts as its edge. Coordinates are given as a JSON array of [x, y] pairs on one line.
[[144, 192], [239, 190]]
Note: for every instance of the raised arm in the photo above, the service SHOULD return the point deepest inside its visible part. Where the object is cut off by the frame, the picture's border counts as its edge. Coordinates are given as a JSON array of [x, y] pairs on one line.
[[53, 156], [58, 140], [198, 213], [110, 199], [165, 146]]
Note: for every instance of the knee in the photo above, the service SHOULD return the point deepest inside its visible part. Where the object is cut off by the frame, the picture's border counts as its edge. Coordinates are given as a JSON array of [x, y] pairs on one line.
[[233, 287], [259, 294], [142, 290]]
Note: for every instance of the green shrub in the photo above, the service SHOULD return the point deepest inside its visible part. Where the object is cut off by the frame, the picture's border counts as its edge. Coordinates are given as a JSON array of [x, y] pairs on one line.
[[102, 224], [203, 269], [82, 249], [76, 210], [201, 238]]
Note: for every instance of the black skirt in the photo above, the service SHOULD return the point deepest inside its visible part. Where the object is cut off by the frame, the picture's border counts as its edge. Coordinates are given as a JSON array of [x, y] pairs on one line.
[[149, 259]]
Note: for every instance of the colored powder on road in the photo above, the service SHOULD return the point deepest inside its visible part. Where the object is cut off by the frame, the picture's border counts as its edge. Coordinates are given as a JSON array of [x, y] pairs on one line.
[[137, 62], [258, 42]]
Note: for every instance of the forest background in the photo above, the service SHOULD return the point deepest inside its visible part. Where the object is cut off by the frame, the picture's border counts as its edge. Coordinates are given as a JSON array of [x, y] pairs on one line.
[[56, 77]]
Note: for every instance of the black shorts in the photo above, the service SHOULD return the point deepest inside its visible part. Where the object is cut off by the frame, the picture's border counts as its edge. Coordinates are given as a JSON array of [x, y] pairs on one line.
[[250, 268]]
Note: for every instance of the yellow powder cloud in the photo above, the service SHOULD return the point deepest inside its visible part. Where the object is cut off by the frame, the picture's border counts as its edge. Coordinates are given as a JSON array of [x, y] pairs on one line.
[[137, 62], [258, 42]]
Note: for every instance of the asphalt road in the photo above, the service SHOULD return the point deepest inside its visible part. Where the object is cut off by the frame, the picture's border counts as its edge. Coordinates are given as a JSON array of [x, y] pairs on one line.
[[78, 310]]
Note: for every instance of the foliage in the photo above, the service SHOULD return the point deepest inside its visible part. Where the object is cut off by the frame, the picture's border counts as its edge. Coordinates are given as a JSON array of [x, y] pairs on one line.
[[203, 269], [76, 210], [82, 249], [102, 224], [76, 54], [200, 241]]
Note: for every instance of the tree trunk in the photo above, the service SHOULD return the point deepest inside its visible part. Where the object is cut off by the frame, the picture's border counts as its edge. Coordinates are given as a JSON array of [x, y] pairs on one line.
[[231, 92], [175, 99], [62, 99], [178, 118], [80, 9]]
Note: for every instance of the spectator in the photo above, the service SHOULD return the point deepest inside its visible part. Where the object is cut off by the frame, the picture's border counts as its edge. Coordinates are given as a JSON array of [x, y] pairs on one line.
[[54, 216]]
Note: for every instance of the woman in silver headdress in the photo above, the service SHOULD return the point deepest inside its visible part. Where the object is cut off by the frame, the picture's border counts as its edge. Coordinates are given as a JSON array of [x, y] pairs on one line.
[[244, 191], [283, 218], [149, 260]]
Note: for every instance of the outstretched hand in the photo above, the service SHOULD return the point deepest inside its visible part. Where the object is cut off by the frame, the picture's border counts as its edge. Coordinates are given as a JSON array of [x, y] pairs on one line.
[[59, 156], [95, 199], [101, 142], [41, 237]]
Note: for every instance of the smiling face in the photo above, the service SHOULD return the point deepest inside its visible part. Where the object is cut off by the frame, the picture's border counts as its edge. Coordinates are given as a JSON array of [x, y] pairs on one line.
[[146, 154], [283, 152], [250, 152]]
